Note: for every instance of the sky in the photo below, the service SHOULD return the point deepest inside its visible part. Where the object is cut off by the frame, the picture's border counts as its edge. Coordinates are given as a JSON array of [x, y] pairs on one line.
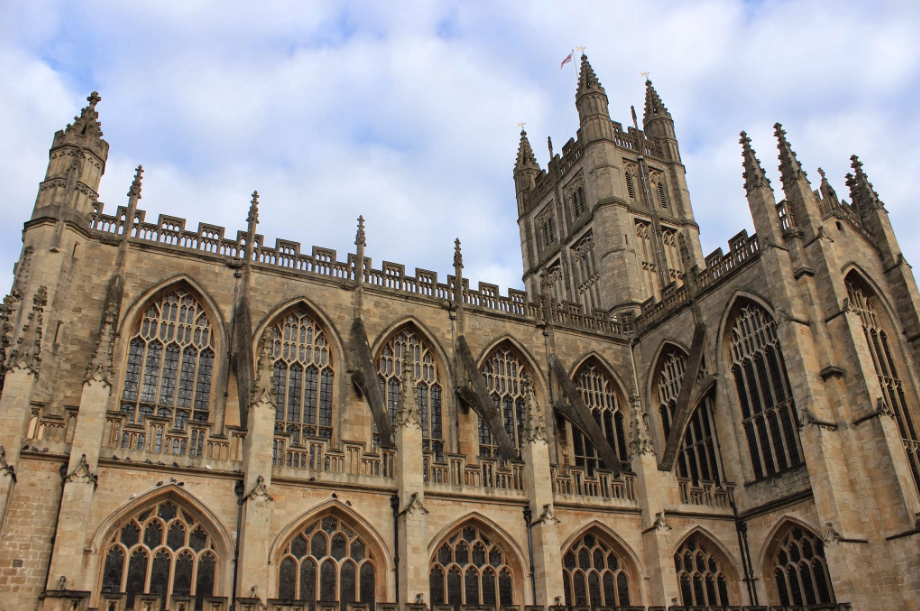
[[407, 111]]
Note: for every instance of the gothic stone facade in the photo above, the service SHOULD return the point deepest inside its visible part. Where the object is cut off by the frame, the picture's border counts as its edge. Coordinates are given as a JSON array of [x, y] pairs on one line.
[[196, 421]]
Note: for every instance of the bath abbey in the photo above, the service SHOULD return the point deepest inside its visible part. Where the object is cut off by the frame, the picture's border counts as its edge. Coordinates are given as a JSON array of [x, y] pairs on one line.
[[194, 419]]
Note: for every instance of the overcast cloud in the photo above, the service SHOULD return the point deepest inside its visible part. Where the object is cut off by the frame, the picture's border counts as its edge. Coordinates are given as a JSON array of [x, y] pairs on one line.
[[407, 112]]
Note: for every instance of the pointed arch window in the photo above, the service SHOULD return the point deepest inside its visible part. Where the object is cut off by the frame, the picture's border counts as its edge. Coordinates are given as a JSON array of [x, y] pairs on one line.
[[599, 393], [546, 228], [698, 459], [470, 568], [160, 550], [700, 575], [800, 570], [672, 254], [645, 251], [429, 389], [577, 201], [303, 377], [170, 362], [328, 561], [504, 372], [594, 573], [767, 407], [886, 359]]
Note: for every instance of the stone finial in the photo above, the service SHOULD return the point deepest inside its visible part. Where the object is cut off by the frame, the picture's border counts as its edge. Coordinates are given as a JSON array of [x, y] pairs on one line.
[[360, 237], [263, 391], [458, 255], [100, 367], [534, 422], [587, 79], [754, 176], [639, 440], [28, 351], [87, 124], [525, 157], [549, 145], [654, 107], [253, 217], [790, 170], [135, 190], [407, 410], [861, 190], [827, 191]]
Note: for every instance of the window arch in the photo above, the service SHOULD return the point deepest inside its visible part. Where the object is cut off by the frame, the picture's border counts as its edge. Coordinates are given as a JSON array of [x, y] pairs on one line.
[[328, 561], [504, 371], [599, 393], [645, 250], [303, 377], [698, 459], [471, 568], [767, 406], [170, 362], [160, 550], [701, 575], [886, 357], [429, 389], [595, 574], [800, 573]]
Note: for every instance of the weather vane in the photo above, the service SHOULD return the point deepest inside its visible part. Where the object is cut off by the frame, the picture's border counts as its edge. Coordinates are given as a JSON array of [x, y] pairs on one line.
[[521, 125], [645, 74], [582, 49]]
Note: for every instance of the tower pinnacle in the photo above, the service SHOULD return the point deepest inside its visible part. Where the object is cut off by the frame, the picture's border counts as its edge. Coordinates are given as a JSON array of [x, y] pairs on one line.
[[587, 79], [135, 190], [754, 176], [87, 124], [654, 107], [861, 190], [790, 170], [525, 156], [360, 237]]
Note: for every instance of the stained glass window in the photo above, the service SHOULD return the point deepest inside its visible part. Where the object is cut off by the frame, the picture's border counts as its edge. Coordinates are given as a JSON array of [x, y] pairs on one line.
[[700, 575], [800, 572], [598, 392], [504, 372], [594, 562], [470, 568]]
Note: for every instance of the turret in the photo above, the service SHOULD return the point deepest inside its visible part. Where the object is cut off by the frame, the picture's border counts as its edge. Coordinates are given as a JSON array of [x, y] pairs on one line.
[[657, 122], [75, 167], [591, 101], [526, 169]]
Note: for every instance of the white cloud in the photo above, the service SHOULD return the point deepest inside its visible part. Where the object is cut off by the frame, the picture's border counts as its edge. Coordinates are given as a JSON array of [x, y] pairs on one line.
[[406, 112]]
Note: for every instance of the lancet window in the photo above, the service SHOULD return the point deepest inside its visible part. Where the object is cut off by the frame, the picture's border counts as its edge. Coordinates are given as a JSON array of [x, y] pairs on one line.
[[645, 250], [700, 575], [698, 459], [672, 254], [599, 394], [800, 570], [303, 377], [769, 419], [594, 574], [160, 550], [584, 268], [546, 228], [327, 561], [577, 201], [631, 174], [428, 388], [885, 358], [555, 283], [504, 372], [170, 362], [470, 568]]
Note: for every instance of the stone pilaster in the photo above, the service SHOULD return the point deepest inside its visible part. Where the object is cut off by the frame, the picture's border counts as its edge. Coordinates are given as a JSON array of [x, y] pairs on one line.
[[547, 561], [255, 534], [412, 522]]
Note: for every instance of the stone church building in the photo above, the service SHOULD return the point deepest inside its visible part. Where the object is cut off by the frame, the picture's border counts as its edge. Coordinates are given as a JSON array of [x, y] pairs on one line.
[[196, 420]]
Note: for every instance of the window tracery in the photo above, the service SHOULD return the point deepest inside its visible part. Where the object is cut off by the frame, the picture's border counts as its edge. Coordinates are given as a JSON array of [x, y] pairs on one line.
[[577, 200], [672, 254], [885, 359], [698, 458], [631, 174], [428, 389], [546, 228], [470, 568], [768, 410], [160, 550], [554, 281], [800, 570], [599, 394], [584, 268], [594, 574], [700, 576], [504, 372], [328, 561], [170, 362], [645, 250], [303, 377]]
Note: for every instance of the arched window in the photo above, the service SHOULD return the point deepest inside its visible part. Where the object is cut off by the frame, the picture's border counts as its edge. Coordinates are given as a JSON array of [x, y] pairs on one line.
[[470, 568], [577, 201], [698, 459], [800, 570], [886, 359], [170, 362], [700, 575], [428, 389], [303, 377], [594, 574], [546, 228], [645, 250], [327, 561], [160, 550], [503, 372], [767, 407], [599, 394], [672, 254]]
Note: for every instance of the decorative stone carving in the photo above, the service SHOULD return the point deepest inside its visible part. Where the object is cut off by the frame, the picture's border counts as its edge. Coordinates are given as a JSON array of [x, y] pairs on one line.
[[259, 491], [548, 516], [5, 467], [831, 535], [28, 351], [414, 506], [407, 413], [82, 475], [534, 422], [263, 391], [100, 368], [661, 522], [640, 442]]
